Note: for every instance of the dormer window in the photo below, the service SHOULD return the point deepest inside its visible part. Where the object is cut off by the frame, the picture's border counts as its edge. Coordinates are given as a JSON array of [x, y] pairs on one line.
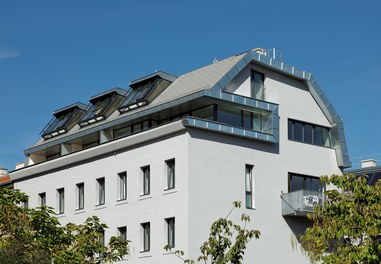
[[101, 106], [64, 119], [144, 90]]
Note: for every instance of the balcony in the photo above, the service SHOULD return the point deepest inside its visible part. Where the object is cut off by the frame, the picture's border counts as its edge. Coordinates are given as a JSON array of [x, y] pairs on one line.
[[300, 203]]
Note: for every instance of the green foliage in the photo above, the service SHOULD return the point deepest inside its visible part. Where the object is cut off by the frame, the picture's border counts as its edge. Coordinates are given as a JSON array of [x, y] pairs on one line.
[[226, 243], [347, 228], [36, 236]]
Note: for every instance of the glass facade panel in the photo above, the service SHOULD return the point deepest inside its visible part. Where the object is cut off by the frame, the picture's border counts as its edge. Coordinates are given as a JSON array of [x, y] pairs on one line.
[[298, 132], [146, 236], [81, 195], [309, 133], [42, 199], [229, 115], [61, 200], [205, 112], [247, 120]]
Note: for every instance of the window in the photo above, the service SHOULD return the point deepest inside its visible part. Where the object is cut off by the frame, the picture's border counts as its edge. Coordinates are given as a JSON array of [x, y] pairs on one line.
[[257, 85], [101, 191], [302, 182], [80, 196], [249, 186], [309, 133], [170, 173], [122, 232], [122, 186], [42, 198], [61, 200], [145, 227], [146, 180], [26, 204], [170, 231]]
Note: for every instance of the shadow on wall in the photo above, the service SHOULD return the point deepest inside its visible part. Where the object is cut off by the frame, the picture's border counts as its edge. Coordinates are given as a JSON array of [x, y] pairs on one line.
[[234, 140], [298, 226]]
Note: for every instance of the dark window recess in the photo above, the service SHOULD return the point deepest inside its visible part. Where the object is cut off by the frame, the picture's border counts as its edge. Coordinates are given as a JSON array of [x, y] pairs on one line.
[[64, 119], [309, 133], [302, 182]]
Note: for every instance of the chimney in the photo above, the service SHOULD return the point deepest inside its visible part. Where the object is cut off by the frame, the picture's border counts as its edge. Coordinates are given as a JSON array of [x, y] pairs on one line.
[[368, 163]]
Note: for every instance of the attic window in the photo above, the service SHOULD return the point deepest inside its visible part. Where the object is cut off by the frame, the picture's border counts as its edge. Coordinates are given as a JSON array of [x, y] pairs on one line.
[[64, 119], [101, 106], [144, 90]]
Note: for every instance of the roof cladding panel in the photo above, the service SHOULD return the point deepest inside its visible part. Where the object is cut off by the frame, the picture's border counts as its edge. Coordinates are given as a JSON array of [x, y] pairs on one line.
[[197, 80]]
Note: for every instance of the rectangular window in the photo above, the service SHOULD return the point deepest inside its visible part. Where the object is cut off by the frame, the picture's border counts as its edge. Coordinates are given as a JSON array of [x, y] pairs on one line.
[[170, 231], [146, 180], [302, 182], [249, 186], [309, 133], [170, 173], [61, 200], [42, 198], [122, 186], [26, 204], [122, 232], [229, 115], [101, 191], [145, 227], [80, 196]]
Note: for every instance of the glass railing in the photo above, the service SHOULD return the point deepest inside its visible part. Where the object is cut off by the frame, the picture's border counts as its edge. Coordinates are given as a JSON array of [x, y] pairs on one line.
[[301, 202]]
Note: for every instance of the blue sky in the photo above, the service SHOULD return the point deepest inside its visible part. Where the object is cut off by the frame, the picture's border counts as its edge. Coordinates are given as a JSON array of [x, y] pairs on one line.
[[54, 53]]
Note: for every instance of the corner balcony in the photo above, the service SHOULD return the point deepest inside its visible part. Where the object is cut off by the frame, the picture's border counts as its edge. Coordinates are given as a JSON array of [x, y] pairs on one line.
[[300, 203]]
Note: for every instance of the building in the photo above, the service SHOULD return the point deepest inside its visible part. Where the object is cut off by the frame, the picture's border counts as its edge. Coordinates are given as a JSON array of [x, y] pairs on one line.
[[160, 161], [369, 168]]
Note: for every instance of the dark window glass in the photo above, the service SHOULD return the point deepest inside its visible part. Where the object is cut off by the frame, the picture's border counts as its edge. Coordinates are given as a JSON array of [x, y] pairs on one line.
[[298, 131], [247, 120], [229, 116], [204, 113], [296, 183], [318, 136], [308, 133]]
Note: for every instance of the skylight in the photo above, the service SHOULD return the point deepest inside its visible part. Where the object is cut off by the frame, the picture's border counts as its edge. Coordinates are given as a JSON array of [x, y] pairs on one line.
[[101, 106], [64, 119], [144, 90]]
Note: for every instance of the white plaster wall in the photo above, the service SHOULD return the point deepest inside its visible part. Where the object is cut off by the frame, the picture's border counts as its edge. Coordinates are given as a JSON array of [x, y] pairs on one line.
[[217, 170], [137, 209]]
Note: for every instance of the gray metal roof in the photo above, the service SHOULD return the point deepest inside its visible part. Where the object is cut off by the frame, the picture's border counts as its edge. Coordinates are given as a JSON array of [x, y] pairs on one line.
[[211, 79]]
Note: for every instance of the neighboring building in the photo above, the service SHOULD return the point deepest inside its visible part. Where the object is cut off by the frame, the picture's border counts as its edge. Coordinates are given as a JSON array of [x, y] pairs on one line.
[[162, 160], [370, 169], [5, 179]]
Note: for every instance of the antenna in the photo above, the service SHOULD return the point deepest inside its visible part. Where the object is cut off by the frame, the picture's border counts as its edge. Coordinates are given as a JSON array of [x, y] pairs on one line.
[[215, 60]]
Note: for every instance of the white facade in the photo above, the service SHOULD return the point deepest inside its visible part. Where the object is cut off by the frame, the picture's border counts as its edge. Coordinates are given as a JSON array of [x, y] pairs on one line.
[[210, 161]]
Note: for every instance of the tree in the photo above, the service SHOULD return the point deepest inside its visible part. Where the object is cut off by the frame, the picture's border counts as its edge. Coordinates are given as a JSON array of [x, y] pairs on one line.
[[226, 243], [36, 236], [347, 228]]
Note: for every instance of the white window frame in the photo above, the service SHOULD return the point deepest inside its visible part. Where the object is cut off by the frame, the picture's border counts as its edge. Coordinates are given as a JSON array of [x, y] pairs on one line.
[[42, 199], [101, 191], [171, 233], [80, 196], [249, 186], [122, 186], [122, 232], [61, 201], [146, 180], [170, 174], [146, 236]]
